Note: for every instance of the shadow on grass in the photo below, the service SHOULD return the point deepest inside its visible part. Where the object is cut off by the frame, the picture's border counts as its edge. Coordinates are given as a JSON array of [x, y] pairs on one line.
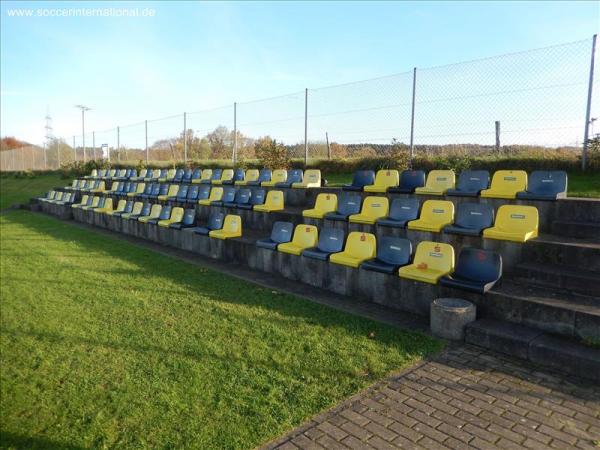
[[17, 441]]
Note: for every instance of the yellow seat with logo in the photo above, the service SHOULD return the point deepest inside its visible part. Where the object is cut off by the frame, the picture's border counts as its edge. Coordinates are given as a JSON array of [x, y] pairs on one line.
[[273, 202], [137, 209], [169, 176], [120, 207], [506, 184], [226, 175], [172, 192], [305, 236], [82, 203], [384, 179], [432, 261], [278, 176], [435, 215], [438, 182], [250, 175], [215, 195], [312, 179], [232, 227], [139, 189], [324, 204], [359, 248], [108, 206], [373, 208], [176, 216], [154, 213], [514, 223]]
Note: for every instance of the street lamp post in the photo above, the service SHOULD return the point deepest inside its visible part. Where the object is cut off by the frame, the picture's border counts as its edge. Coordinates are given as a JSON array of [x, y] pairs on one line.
[[83, 110]]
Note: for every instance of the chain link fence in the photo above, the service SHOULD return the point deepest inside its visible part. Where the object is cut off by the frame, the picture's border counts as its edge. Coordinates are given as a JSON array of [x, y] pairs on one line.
[[533, 100]]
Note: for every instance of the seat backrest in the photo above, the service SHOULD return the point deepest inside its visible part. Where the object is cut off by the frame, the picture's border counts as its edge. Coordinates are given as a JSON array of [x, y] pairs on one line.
[[173, 190], [150, 173], [434, 255], [232, 224], [295, 175], [326, 202], [183, 191], [264, 175], [143, 173], [517, 218], [206, 174], [238, 175], [361, 245], [140, 188], [215, 220], [474, 215], [155, 211], [279, 176], [50, 195], [171, 173], [108, 203], [216, 194], [186, 174], [132, 187], [375, 206], [312, 176], [251, 175], [75, 183], [152, 189], [440, 179], [176, 214], [216, 174], [509, 181], [146, 209], [137, 208], [128, 172], [282, 232], [126, 186], [411, 179], [305, 236], [164, 173], [84, 200], [203, 192], [387, 178], [228, 194], [112, 172], [96, 184], [331, 240], [196, 174], [122, 172], [94, 173], [192, 192], [362, 178], [437, 211], [59, 196], [121, 205], [189, 216], [478, 264], [394, 250], [473, 180], [242, 196], [274, 199], [547, 182], [349, 204], [258, 197], [226, 174], [404, 209], [96, 202], [163, 189], [117, 186], [128, 206]]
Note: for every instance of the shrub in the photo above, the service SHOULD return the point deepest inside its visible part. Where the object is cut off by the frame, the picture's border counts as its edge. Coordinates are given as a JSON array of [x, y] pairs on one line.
[[270, 153]]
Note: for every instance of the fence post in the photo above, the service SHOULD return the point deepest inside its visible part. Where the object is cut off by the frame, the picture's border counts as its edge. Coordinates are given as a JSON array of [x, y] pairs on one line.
[[586, 134], [45, 157], [328, 147], [185, 158], [58, 152], [146, 133], [74, 151], [412, 118], [94, 144], [305, 127], [118, 144], [234, 156], [497, 136]]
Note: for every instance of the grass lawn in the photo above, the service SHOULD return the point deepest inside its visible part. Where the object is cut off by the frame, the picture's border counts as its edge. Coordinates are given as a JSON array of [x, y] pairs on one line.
[[108, 345], [20, 190]]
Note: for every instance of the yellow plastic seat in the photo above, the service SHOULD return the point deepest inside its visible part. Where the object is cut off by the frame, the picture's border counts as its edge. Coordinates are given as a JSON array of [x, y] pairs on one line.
[[172, 192], [226, 175], [438, 182], [108, 206], [83, 202], [373, 208], [432, 261], [112, 173], [305, 236], [323, 204], [176, 216], [114, 187], [94, 204], [250, 175], [170, 175], [139, 189], [278, 176], [506, 184], [120, 207], [100, 187], [204, 176], [154, 213], [273, 202], [435, 215], [216, 194], [94, 174], [311, 179], [137, 209], [514, 223], [383, 180], [359, 248], [232, 228]]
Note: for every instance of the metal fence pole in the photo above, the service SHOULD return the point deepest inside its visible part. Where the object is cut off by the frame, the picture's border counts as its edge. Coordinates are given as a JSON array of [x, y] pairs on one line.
[[74, 151], [94, 144], [412, 118], [497, 136], [328, 147], [586, 134], [185, 157], [45, 157], [58, 152], [118, 144], [234, 155], [83, 132], [305, 127], [146, 132]]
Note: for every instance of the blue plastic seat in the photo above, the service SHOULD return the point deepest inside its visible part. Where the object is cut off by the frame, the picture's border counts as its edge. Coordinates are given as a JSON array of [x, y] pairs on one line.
[[545, 185], [257, 197], [188, 221], [263, 175], [203, 192], [409, 181], [216, 175], [144, 212], [151, 189], [360, 179], [165, 213], [123, 192], [242, 197], [476, 270], [178, 178], [228, 197], [348, 204], [181, 193], [187, 176], [402, 210], [471, 219], [215, 222], [127, 210], [238, 175], [470, 183], [392, 253], [192, 193], [196, 174], [280, 233], [293, 176], [331, 240]]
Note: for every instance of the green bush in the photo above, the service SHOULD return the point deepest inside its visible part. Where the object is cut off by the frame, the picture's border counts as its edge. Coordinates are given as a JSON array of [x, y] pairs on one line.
[[271, 153]]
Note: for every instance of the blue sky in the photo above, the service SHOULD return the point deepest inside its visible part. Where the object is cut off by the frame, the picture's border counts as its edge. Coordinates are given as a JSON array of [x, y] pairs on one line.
[[193, 56]]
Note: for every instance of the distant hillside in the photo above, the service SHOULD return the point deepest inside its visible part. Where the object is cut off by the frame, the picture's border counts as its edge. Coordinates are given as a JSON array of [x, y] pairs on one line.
[[10, 142]]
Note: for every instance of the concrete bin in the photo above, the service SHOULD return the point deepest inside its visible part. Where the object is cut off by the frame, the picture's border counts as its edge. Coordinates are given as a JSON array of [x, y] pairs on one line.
[[449, 316]]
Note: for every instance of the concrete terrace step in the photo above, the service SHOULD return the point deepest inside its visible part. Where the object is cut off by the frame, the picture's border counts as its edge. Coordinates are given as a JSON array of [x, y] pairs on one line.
[[562, 354], [577, 229], [558, 276], [578, 253]]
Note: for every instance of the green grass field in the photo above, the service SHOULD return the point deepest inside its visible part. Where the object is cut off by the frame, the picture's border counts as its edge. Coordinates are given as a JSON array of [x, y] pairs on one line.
[[108, 345], [20, 190]]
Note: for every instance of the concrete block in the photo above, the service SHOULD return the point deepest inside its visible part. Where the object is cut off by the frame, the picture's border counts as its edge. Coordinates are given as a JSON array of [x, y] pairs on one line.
[[503, 337], [450, 316]]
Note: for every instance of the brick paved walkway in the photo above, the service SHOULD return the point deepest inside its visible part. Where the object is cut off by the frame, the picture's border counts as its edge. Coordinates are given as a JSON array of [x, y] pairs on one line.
[[464, 398]]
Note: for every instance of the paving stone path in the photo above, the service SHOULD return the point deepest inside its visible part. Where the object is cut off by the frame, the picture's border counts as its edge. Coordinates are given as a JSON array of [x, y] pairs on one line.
[[466, 397]]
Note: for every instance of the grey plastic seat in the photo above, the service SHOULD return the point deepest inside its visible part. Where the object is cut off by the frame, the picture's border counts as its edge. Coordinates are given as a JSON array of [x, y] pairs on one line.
[[181, 194], [216, 175], [242, 197], [392, 253], [238, 175], [257, 197], [348, 204], [280, 233], [228, 197], [360, 179], [409, 181], [203, 192], [144, 212], [192, 193], [263, 175], [402, 210], [331, 240], [215, 222], [293, 176], [196, 174], [471, 219], [476, 270], [188, 221], [127, 210], [470, 183], [545, 185], [165, 213]]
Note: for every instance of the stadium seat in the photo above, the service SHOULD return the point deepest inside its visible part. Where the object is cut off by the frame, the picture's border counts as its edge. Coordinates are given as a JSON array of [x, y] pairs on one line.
[[471, 219], [476, 271], [93, 174], [348, 204], [215, 195], [215, 176], [131, 174], [409, 181], [514, 223], [506, 184], [402, 210], [470, 183], [165, 213], [163, 189], [392, 253], [192, 193], [121, 205], [325, 203], [273, 202], [432, 261], [331, 240], [242, 197], [106, 207], [151, 175], [127, 187], [373, 208], [97, 202], [172, 191], [154, 214], [57, 197], [232, 228], [121, 174], [215, 222], [74, 185], [151, 190], [187, 175], [305, 236], [139, 209], [250, 175], [228, 196], [203, 192], [263, 175], [113, 188], [278, 176], [312, 179], [129, 204], [167, 176], [293, 176], [238, 175], [435, 215], [140, 176], [139, 189], [99, 187], [280, 233], [385, 178], [360, 247], [181, 194], [84, 201], [360, 179], [175, 217], [438, 182], [257, 197], [110, 174], [205, 177], [50, 195], [67, 199], [545, 185], [226, 175], [188, 220], [197, 176]]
